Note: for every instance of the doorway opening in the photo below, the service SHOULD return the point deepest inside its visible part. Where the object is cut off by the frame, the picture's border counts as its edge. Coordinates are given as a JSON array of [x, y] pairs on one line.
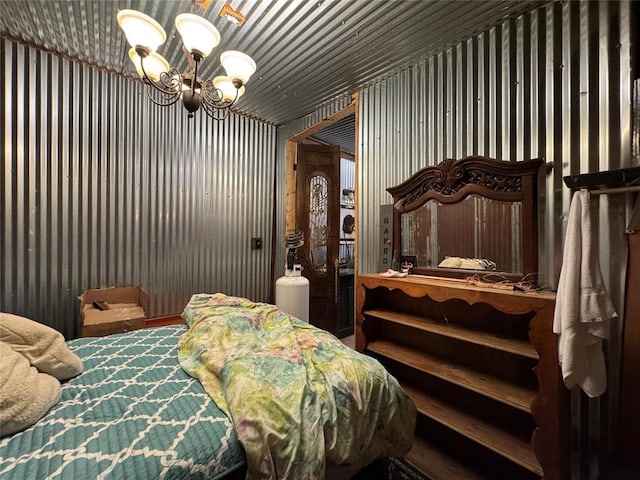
[[321, 202]]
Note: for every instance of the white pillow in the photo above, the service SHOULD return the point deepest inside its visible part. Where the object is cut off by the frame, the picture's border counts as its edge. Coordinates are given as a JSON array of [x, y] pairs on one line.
[[43, 346], [25, 394]]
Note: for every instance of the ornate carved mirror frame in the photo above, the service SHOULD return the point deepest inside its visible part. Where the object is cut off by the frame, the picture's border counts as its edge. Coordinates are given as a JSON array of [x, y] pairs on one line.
[[452, 181]]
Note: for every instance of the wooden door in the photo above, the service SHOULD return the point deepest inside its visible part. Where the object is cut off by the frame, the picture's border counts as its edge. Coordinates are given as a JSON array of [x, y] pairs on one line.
[[318, 217]]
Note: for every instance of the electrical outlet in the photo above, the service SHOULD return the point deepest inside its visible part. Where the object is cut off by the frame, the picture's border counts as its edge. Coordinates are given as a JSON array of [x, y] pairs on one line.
[[256, 243]]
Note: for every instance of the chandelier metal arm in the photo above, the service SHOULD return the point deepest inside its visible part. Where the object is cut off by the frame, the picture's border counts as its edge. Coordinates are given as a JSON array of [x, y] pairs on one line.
[[160, 98], [170, 82], [213, 102], [168, 90], [214, 97], [217, 113]]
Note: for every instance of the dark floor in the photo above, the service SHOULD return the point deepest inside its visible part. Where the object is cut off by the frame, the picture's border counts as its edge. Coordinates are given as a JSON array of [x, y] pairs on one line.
[[375, 471], [349, 341], [388, 469]]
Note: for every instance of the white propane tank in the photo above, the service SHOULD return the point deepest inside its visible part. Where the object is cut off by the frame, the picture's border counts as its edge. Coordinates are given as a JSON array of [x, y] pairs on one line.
[[292, 293]]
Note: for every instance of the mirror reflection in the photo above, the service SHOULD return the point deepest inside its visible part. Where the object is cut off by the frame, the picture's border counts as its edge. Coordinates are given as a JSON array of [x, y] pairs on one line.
[[476, 227]]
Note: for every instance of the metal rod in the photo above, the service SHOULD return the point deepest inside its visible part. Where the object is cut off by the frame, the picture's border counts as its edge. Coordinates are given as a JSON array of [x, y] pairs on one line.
[[634, 221], [604, 191], [195, 76]]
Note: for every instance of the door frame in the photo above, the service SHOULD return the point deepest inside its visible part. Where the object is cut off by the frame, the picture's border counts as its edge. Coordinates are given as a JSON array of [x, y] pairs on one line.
[[291, 158]]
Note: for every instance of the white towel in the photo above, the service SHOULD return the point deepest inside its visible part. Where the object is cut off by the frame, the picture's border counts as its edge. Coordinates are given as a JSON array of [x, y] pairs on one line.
[[583, 309]]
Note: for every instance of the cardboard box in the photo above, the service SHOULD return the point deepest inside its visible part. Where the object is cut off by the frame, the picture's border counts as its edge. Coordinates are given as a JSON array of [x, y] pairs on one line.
[[127, 307]]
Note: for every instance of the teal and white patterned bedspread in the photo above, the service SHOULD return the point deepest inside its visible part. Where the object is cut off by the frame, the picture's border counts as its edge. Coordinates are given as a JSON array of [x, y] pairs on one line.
[[133, 414]]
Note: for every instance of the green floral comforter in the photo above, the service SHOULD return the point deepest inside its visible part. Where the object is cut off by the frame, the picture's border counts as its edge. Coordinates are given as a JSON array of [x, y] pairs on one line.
[[296, 394]]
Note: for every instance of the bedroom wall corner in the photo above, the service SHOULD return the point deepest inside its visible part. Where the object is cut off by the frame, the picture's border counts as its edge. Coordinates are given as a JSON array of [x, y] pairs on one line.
[[100, 188]]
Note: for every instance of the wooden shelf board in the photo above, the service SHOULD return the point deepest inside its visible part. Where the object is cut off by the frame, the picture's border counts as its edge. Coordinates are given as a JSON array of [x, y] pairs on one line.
[[442, 289], [518, 347], [486, 385], [436, 464], [499, 441]]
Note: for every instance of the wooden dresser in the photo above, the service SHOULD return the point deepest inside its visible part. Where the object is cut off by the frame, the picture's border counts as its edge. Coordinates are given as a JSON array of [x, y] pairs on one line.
[[481, 366]]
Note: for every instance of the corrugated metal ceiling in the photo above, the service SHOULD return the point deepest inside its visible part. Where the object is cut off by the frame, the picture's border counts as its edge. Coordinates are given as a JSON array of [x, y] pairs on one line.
[[307, 52], [341, 133]]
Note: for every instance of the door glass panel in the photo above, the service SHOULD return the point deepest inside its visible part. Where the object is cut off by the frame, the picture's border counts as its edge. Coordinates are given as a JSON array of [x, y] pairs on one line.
[[318, 223]]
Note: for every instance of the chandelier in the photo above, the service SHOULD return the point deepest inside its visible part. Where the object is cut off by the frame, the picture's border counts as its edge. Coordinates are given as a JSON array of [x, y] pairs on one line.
[[166, 85]]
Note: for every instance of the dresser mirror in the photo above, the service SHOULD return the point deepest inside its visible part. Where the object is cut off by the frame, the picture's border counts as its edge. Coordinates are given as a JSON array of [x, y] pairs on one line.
[[474, 215], [476, 227]]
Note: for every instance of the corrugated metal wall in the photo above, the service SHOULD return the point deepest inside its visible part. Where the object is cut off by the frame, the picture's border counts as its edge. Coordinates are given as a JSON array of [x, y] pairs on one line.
[[347, 174], [101, 188], [554, 83]]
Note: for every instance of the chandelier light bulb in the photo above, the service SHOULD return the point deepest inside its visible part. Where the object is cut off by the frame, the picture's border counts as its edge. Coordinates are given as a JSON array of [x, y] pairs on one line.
[[198, 35], [227, 89], [154, 64], [239, 66], [141, 30]]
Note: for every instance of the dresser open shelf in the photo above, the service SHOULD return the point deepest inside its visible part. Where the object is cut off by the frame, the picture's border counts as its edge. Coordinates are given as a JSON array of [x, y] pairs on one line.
[[481, 366], [504, 443], [519, 347], [474, 380]]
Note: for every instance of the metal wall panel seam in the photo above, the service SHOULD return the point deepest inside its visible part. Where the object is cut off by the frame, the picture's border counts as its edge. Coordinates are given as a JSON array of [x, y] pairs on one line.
[[471, 104], [439, 107], [509, 91], [44, 98], [56, 205], [450, 111], [568, 161], [430, 124], [83, 182], [522, 82], [536, 91], [6, 132], [625, 82], [460, 78], [20, 179], [421, 126], [493, 97], [554, 128], [73, 145], [481, 95], [32, 174], [584, 91]]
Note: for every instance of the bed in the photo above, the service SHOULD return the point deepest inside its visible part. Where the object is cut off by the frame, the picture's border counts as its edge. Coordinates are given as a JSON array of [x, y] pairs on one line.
[[135, 412]]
